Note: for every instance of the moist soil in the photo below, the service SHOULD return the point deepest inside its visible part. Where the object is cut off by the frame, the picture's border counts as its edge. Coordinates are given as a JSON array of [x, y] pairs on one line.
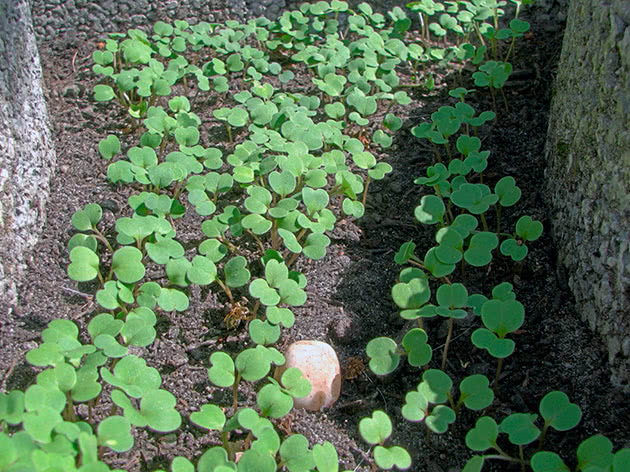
[[349, 301]]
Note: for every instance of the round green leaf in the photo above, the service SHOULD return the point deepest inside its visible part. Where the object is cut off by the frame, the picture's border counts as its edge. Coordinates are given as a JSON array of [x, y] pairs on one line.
[[210, 417], [528, 229], [484, 435], [513, 248], [375, 429], [383, 355], [273, 403], [431, 210], [127, 264], [480, 247], [103, 93], [88, 217], [419, 352], [439, 419], [115, 433], [520, 428], [545, 461], [388, 457], [84, 264], [236, 273], [221, 372], [325, 455], [263, 332], [595, 453], [485, 339], [109, 147], [559, 412], [475, 392], [507, 191]]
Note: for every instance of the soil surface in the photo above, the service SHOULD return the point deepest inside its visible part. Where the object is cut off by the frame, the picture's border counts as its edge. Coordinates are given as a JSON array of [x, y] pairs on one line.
[[349, 300]]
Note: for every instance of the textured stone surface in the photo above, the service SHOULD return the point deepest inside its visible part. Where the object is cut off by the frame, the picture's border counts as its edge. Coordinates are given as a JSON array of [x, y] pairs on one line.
[[27, 156], [588, 176], [74, 20], [319, 364]]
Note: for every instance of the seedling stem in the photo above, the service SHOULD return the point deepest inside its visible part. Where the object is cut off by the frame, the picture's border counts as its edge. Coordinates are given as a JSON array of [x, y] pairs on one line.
[[448, 340], [226, 289], [484, 222], [102, 238], [495, 385], [367, 184], [235, 390]]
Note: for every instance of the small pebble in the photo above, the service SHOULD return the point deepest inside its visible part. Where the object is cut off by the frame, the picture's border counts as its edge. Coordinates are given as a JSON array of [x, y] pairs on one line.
[[320, 365]]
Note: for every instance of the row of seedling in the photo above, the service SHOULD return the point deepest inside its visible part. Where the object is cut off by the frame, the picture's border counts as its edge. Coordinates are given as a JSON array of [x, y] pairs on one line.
[[460, 206]]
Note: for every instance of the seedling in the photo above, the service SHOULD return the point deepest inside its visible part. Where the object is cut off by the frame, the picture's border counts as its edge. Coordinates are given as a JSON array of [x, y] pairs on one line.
[[500, 317], [435, 389], [493, 75], [375, 430], [526, 230], [521, 430]]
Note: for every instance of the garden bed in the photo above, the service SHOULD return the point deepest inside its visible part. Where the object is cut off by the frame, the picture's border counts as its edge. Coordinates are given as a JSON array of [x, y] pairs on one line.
[[349, 290]]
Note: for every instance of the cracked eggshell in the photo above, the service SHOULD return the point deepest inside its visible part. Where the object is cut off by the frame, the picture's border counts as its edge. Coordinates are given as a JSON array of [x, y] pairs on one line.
[[319, 364]]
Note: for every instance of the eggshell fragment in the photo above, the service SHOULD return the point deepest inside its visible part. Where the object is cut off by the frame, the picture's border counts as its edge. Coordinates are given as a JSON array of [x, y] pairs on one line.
[[319, 364]]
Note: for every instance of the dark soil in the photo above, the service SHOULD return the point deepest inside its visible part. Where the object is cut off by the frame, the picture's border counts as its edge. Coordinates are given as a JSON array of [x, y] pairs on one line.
[[349, 299]]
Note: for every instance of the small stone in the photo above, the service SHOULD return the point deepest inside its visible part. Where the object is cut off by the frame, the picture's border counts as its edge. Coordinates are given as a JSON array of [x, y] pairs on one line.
[[71, 91], [87, 114], [341, 330], [319, 364]]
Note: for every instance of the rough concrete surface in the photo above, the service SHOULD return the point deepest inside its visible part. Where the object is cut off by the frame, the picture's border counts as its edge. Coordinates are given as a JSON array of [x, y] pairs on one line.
[[588, 176], [27, 156], [75, 20]]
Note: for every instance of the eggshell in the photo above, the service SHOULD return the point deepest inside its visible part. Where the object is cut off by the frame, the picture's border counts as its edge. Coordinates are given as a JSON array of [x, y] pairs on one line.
[[319, 364]]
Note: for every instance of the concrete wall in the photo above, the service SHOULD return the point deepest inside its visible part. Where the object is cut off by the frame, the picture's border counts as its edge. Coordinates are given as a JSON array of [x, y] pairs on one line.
[[27, 156], [588, 176], [74, 20]]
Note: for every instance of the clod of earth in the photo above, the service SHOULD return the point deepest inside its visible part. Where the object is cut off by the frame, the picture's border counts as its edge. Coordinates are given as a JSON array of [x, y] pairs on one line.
[[319, 364]]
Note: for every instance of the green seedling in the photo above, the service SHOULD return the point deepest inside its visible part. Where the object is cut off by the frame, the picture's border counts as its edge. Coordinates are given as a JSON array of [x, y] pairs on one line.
[[517, 29], [521, 430], [426, 8], [500, 317], [251, 364], [435, 389], [47, 410], [375, 430], [233, 117], [109, 147], [493, 75], [277, 278], [527, 229], [87, 219], [274, 401], [461, 93], [377, 171], [508, 194], [384, 356], [431, 209], [451, 299], [262, 452], [594, 453], [411, 293], [476, 198]]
